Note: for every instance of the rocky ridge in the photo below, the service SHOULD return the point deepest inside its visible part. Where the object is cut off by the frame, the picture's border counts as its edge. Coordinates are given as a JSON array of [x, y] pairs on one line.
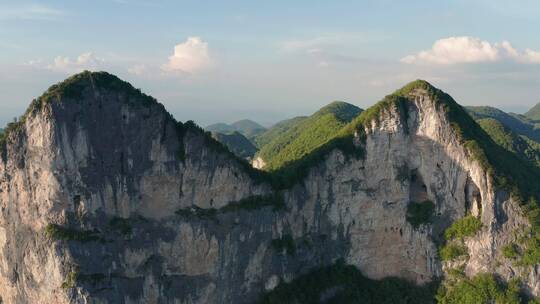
[[105, 198]]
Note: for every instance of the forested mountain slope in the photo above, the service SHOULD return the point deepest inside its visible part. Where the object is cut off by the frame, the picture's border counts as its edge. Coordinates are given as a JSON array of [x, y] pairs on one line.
[[302, 136]]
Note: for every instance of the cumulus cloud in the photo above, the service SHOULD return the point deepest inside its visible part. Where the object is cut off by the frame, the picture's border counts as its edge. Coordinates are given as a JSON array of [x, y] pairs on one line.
[[531, 56], [190, 56], [459, 50], [85, 61], [527, 56], [63, 64]]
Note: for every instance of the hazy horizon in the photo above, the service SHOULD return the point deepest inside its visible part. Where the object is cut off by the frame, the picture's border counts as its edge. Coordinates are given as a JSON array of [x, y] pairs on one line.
[[272, 61]]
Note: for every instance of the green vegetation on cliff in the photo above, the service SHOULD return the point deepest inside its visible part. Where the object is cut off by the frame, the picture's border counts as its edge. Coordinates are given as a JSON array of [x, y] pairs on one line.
[[482, 288], [531, 251], [450, 252], [510, 251], [71, 280], [75, 278], [454, 236], [462, 228], [57, 232], [2, 138], [11, 128]]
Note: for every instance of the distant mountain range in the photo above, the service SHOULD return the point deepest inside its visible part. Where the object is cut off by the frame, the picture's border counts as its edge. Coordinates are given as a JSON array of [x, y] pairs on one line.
[[287, 140], [246, 127]]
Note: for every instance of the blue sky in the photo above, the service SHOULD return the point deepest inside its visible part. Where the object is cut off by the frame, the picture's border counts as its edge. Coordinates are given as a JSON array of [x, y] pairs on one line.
[[226, 60]]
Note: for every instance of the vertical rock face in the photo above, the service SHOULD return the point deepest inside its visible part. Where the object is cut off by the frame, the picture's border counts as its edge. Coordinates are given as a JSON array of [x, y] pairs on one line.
[[81, 161], [148, 210]]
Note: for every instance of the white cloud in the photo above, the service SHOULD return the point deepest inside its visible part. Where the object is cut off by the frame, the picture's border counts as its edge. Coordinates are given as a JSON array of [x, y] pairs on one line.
[[456, 50], [190, 56], [308, 44], [330, 40], [85, 61], [138, 70], [29, 12], [531, 56], [332, 50], [34, 63]]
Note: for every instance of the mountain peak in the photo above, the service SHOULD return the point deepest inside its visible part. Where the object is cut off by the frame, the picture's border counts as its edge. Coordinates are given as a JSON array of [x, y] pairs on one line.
[[76, 86], [342, 110], [414, 85], [336, 105], [401, 97], [439, 97], [245, 124], [534, 112], [422, 87], [246, 127]]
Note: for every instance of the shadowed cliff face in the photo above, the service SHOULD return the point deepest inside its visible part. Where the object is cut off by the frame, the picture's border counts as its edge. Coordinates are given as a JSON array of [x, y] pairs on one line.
[[151, 211]]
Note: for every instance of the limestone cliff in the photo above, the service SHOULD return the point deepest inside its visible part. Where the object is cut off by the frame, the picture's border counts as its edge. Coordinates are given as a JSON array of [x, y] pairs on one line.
[[105, 198]]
